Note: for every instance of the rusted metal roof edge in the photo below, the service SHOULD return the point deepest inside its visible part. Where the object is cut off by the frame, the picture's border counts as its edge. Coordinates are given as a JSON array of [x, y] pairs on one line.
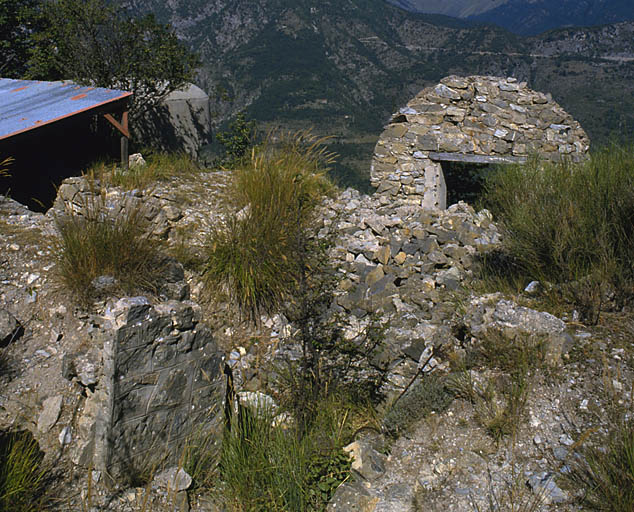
[[124, 95]]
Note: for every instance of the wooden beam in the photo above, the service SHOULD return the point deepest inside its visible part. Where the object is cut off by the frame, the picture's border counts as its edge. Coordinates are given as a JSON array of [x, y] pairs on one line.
[[121, 126]]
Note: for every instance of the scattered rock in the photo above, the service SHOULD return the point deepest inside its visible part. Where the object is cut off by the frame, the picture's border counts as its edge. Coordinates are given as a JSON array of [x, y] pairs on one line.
[[10, 328]]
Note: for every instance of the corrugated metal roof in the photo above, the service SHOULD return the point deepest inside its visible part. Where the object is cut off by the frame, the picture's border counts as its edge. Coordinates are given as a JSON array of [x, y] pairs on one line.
[[27, 104]]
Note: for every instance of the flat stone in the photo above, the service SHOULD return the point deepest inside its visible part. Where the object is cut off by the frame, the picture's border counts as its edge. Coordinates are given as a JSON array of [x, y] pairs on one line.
[[383, 255], [51, 409], [374, 276], [173, 479]]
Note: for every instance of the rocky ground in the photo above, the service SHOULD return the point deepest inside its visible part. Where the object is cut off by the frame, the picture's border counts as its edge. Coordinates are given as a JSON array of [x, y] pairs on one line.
[[411, 272]]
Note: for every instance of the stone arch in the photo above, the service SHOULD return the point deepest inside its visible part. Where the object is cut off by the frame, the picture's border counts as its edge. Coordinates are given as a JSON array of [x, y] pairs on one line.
[[477, 119]]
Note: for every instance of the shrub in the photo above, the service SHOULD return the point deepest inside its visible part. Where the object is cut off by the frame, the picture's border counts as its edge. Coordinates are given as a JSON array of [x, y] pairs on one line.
[[259, 253], [21, 473], [427, 395], [570, 223], [103, 250], [237, 140]]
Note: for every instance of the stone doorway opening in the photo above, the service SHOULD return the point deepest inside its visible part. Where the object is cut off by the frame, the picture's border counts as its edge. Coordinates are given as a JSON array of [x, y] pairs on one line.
[[465, 176]]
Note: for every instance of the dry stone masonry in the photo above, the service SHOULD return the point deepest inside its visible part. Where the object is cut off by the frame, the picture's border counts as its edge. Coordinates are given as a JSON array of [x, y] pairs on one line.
[[475, 119]]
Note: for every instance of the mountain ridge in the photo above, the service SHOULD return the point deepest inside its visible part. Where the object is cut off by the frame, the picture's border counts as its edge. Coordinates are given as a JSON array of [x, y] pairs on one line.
[[345, 67], [528, 17]]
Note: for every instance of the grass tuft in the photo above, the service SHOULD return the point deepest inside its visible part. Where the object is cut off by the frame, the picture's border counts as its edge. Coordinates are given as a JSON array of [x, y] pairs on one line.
[[567, 223], [21, 473], [257, 256], [606, 472], [160, 167], [269, 467], [105, 251]]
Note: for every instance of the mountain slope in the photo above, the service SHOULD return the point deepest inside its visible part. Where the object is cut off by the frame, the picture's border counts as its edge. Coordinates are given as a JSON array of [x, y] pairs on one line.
[[537, 16], [455, 8], [528, 16], [344, 67]]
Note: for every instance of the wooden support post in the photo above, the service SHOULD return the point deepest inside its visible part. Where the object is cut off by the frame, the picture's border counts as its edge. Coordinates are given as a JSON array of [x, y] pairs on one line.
[[125, 136], [124, 153]]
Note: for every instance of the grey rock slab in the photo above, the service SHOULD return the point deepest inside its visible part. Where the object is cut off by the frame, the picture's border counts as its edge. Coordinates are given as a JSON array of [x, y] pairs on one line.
[[366, 461], [509, 314], [10, 328], [51, 409], [354, 496], [173, 479]]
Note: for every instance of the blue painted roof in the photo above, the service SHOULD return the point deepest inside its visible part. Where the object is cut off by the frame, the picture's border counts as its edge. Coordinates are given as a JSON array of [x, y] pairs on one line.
[[28, 104]]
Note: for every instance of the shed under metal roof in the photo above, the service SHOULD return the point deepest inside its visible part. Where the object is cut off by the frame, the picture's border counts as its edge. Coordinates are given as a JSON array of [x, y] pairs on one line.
[[27, 104]]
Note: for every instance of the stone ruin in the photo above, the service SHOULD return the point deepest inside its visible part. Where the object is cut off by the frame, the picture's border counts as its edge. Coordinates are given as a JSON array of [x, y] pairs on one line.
[[474, 119]]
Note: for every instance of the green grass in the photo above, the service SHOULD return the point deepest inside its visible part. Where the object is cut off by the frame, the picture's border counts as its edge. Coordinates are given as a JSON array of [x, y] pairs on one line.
[[21, 473], [257, 255], [160, 167], [104, 242], [570, 224], [605, 472], [266, 467]]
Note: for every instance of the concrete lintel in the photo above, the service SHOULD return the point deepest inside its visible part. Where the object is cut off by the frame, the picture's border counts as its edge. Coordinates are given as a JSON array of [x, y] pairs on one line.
[[476, 159]]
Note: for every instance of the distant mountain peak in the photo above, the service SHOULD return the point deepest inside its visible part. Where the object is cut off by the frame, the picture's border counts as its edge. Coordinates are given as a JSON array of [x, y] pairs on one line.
[[528, 17]]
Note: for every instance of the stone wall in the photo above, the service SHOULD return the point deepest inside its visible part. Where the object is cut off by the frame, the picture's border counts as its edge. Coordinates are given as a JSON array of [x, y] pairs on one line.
[[473, 119], [157, 379]]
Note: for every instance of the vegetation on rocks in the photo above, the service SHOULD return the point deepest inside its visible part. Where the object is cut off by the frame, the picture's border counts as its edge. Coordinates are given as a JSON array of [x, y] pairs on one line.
[[255, 256], [160, 166], [104, 251], [22, 474], [571, 225]]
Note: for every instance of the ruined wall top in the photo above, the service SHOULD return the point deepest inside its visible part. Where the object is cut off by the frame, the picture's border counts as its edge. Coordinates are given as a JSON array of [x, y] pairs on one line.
[[479, 119]]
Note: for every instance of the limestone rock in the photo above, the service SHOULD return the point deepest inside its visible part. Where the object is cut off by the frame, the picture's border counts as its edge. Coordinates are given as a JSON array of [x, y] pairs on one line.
[[367, 462], [51, 409], [173, 479]]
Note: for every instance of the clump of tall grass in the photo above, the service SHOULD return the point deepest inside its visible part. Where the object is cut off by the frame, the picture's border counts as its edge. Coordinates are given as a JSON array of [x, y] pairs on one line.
[[269, 467], [605, 473], [570, 223], [102, 250], [257, 255], [159, 167], [21, 473]]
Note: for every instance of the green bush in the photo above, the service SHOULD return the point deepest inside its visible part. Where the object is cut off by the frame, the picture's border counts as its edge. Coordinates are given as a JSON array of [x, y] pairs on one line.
[[427, 395], [570, 223], [237, 140], [104, 242], [259, 253], [21, 473]]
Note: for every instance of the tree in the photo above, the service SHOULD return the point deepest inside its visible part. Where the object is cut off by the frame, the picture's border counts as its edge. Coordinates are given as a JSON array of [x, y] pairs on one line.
[[237, 140], [19, 20], [94, 43]]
